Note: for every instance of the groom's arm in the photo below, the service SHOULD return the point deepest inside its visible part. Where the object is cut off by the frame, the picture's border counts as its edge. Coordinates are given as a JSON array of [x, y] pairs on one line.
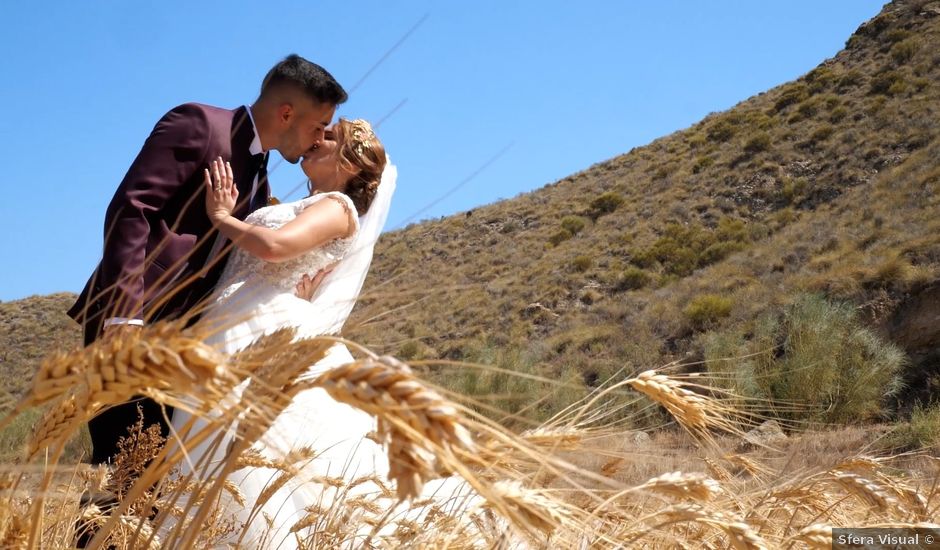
[[175, 150]]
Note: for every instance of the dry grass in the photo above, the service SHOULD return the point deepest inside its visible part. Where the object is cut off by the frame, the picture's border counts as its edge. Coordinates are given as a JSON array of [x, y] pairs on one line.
[[534, 488]]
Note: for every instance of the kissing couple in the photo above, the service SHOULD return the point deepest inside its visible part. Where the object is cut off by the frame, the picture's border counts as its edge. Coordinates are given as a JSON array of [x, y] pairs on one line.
[[191, 233]]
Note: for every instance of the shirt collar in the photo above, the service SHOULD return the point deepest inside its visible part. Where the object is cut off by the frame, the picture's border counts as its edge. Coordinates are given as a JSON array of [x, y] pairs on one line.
[[255, 147]]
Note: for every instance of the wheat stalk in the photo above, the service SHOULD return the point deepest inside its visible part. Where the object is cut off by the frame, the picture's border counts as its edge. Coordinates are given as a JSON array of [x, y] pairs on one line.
[[869, 491], [815, 536], [414, 420], [683, 486], [694, 412]]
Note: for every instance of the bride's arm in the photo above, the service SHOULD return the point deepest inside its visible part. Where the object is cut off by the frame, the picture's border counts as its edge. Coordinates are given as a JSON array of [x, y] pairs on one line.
[[317, 225]]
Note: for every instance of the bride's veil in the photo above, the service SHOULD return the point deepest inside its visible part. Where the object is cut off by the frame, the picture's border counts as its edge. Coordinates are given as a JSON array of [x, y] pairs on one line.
[[336, 297]]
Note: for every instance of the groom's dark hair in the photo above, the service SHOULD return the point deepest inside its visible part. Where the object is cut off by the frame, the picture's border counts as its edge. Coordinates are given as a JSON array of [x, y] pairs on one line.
[[309, 77]]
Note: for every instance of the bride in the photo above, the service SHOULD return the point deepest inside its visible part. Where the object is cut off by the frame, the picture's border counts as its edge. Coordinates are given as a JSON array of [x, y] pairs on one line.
[[351, 185]]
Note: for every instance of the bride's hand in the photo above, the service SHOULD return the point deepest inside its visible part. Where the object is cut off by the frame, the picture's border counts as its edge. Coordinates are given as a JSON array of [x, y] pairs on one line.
[[308, 286], [221, 192]]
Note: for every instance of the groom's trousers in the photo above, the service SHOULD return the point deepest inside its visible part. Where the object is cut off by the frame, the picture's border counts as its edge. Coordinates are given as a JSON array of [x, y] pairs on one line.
[[110, 426]]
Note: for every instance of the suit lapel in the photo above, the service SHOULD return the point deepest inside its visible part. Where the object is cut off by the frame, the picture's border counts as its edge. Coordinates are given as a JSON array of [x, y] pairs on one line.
[[242, 163]]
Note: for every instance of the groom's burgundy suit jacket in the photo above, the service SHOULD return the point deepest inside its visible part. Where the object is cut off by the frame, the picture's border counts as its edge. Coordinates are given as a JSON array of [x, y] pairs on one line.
[[157, 235]]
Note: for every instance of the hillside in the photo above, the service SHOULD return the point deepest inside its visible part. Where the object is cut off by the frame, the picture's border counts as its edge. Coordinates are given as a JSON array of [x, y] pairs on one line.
[[30, 329], [810, 209], [825, 186]]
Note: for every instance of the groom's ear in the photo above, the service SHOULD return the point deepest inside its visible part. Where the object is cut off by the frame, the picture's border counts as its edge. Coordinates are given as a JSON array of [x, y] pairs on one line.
[[285, 112]]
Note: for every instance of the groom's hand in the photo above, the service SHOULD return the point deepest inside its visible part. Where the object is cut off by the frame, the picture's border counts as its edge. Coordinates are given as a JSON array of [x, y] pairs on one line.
[[308, 285]]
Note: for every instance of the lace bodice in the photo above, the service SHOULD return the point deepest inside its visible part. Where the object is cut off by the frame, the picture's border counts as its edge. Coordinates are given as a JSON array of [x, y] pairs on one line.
[[284, 276]]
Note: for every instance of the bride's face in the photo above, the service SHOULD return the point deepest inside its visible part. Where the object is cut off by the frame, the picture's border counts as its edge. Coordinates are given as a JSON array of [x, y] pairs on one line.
[[323, 167]]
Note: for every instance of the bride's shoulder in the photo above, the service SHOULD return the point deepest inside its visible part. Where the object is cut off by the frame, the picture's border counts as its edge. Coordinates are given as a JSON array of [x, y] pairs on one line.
[[340, 198], [337, 196]]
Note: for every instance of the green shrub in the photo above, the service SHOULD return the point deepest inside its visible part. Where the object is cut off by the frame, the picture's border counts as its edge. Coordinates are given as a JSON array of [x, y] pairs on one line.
[[793, 94], [898, 35], [904, 51], [665, 170], [682, 249], [758, 120], [559, 237], [516, 386], [14, 437], [718, 252], [730, 229], [793, 188], [808, 108], [409, 350], [815, 361], [720, 131], [589, 296], [606, 203], [851, 78], [921, 432], [822, 133], [702, 163], [573, 224], [898, 88], [832, 101], [757, 144], [838, 114], [920, 83], [819, 79], [707, 309], [876, 26], [633, 279], [582, 263], [886, 82], [696, 141]]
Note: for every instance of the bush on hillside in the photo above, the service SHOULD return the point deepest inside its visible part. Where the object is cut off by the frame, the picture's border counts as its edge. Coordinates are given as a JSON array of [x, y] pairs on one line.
[[851, 79], [815, 360], [633, 278], [904, 51], [719, 251], [819, 79], [581, 263], [606, 203], [682, 249], [573, 224], [707, 309], [757, 144], [702, 163], [559, 237], [792, 94], [898, 35], [887, 83], [921, 432], [838, 114], [821, 134], [512, 384], [720, 131]]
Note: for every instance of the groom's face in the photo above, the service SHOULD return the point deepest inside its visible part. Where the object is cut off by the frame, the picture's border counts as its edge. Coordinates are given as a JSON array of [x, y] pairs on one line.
[[304, 128]]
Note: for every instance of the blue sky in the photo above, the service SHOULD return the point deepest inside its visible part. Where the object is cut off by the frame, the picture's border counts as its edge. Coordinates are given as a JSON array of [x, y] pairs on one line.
[[564, 85]]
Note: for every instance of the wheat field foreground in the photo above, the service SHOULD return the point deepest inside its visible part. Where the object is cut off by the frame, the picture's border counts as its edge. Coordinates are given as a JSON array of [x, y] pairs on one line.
[[577, 481]]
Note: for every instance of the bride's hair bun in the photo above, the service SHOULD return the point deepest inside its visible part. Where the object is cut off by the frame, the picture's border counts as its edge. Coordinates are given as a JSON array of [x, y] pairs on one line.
[[361, 149]]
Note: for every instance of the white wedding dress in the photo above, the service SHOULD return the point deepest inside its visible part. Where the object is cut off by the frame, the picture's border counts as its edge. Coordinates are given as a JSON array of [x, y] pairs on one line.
[[255, 298]]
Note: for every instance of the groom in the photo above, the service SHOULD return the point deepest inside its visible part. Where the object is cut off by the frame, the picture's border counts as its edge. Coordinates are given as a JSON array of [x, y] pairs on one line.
[[162, 256]]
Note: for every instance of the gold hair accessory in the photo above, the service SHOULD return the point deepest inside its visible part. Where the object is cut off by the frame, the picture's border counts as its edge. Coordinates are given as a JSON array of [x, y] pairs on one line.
[[361, 131]]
